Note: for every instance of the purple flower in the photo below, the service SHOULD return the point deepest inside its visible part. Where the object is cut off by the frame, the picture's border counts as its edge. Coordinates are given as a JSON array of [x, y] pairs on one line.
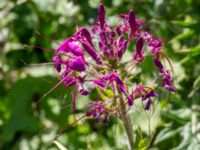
[[166, 77], [148, 95], [75, 49], [64, 46], [57, 64], [100, 83], [148, 104], [113, 77], [70, 46], [101, 15], [122, 89], [170, 88], [148, 37], [117, 79], [70, 82], [139, 54], [105, 120], [120, 40], [84, 92], [118, 30], [122, 49], [158, 63], [130, 100], [77, 64], [141, 90], [167, 80], [139, 45], [155, 46], [96, 110], [132, 22], [91, 51], [85, 33], [92, 58]]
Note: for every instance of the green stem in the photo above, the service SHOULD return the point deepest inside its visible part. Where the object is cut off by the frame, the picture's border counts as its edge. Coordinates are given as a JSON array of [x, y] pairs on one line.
[[125, 117]]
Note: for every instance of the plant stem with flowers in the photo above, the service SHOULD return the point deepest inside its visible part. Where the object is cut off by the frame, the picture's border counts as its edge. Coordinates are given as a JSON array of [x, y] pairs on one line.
[[93, 59]]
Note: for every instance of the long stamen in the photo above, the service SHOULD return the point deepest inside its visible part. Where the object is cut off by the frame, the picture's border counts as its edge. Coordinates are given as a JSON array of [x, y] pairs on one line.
[[48, 37], [70, 126], [56, 86], [33, 65], [41, 48], [48, 50], [164, 56]]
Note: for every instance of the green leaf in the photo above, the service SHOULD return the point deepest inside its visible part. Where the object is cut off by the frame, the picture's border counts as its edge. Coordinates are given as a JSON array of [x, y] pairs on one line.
[[141, 141], [166, 133], [20, 122], [192, 52], [186, 34], [187, 22], [147, 65], [109, 93]]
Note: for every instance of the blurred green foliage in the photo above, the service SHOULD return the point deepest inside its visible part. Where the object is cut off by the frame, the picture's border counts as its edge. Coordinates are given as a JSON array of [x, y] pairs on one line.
[[30, 121]]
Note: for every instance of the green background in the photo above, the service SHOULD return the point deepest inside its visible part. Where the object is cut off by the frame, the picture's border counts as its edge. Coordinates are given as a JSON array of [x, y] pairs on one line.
[[30, 122]]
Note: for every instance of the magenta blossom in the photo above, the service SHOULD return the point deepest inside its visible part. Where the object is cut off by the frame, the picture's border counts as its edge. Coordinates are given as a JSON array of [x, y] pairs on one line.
[[166, 77], [93, 59], [139, 54], [96, 110], [146, 93]]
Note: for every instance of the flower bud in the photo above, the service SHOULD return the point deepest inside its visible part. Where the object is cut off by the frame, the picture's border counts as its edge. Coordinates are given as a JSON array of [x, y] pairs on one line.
[[77, 64], [157, 63], [91, 51], [101, 15]]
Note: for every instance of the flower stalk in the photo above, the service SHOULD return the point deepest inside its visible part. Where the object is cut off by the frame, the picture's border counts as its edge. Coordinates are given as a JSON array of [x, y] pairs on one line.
[[126, 120]]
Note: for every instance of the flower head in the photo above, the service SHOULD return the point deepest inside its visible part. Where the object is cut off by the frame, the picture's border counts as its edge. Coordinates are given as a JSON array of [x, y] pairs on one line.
[[94, 59]]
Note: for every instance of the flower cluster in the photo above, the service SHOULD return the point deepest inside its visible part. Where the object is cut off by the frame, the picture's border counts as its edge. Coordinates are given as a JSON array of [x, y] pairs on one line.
[[92, 59], [166, 78]]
